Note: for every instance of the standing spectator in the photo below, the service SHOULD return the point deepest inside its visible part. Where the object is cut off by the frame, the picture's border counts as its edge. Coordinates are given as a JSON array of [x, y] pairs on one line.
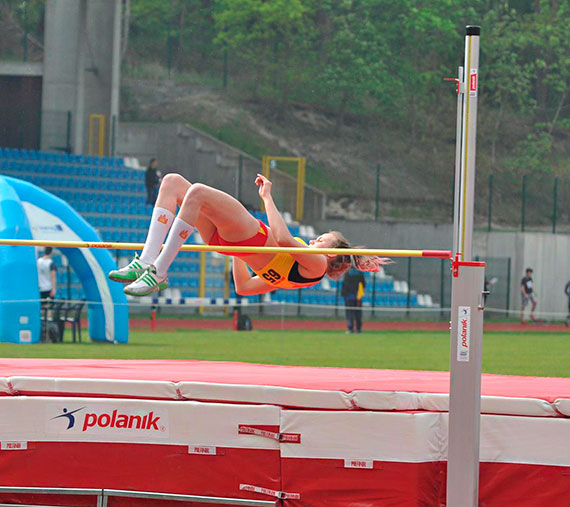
[[528, 294], [47, 274], [352, 292], [151, 180]]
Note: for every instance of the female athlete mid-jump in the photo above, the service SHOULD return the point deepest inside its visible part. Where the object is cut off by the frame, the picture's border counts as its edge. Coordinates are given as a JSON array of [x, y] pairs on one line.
[[223, 220]]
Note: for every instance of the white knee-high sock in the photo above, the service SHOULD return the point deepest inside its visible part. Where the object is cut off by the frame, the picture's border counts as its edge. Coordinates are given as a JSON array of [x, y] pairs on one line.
[[178, 235], [160, 223]]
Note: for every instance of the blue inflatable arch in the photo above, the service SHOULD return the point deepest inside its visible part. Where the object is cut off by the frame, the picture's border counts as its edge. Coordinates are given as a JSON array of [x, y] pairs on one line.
[[28, 212]]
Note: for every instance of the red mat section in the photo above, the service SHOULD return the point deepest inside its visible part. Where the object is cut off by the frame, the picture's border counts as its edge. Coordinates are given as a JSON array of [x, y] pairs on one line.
[[299, 377]]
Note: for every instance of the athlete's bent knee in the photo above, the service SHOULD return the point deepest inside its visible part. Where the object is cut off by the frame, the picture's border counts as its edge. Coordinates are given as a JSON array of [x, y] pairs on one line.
[[173, 180], [197, 192]]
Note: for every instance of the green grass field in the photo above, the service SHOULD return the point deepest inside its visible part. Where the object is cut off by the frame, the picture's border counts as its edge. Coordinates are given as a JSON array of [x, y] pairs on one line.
[[540, 354]]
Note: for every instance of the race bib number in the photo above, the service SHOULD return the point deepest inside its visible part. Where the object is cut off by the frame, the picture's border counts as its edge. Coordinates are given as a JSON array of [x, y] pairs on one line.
[[271, 276]]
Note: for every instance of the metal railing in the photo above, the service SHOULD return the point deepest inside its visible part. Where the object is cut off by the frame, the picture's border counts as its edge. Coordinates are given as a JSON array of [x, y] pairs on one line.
[[101, 496]]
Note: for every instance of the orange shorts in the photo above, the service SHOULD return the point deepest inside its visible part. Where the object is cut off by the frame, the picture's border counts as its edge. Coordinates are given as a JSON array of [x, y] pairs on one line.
[[258, 240]]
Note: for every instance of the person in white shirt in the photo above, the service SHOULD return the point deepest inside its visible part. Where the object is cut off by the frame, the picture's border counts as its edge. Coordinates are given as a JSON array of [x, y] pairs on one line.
[[47, 271]]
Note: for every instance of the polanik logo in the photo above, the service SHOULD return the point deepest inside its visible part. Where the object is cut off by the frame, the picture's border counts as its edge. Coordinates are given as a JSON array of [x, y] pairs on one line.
[[110, 421], [69, 415]]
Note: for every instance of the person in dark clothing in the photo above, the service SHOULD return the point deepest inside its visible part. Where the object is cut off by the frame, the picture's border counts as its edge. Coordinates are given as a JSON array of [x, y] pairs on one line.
[[352, 292], [528, 294], [151, 180]]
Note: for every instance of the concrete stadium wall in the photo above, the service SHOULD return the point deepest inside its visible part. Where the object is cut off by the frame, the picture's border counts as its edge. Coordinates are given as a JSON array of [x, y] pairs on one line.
[[180, 149], [81, 69], [392, 235], [201, 157], [546, 254]]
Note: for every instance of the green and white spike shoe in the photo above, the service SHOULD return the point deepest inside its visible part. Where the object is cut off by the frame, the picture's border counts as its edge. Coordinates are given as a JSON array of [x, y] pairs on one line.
[[147, 283], [130, 272]]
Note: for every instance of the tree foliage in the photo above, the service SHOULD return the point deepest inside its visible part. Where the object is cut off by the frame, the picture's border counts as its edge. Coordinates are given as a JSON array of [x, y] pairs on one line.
[[374, 58]]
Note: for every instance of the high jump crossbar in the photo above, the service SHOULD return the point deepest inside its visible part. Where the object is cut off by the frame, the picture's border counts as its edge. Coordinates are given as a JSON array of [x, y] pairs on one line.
[[434, 254]]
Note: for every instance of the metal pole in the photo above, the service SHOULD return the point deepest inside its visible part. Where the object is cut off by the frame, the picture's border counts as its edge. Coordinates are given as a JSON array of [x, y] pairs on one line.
[[301, 176], [39, 132], [490, 217], [377, 193], [113, 135], [554, 205], [458, 169], [468, 142], [336, 298], [523, 204], [409, 282], [238, 177], [508, 286], [373, 292], [442, 287], [79, 112], [169, 40], [68, 133], [465, 386], [68, 281], [466, 305], [26, 31], [225, 67]]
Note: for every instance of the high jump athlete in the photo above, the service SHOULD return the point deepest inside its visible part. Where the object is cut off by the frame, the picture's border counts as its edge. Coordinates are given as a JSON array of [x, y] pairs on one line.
[[223, 220]]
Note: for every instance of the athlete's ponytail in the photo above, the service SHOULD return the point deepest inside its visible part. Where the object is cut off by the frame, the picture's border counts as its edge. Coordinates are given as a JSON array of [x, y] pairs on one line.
[[338, 265]]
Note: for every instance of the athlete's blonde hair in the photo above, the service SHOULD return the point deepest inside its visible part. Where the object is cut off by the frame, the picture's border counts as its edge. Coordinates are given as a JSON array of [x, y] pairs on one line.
[[339, 264]]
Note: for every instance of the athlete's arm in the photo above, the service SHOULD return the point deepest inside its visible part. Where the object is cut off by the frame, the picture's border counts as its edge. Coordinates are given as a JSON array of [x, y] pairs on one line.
[[311, 265], [53, 281], [278, 226], [245, 284]]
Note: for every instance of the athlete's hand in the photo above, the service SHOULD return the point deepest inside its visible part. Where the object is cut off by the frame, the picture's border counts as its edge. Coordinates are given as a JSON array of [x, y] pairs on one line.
[[264, 186]]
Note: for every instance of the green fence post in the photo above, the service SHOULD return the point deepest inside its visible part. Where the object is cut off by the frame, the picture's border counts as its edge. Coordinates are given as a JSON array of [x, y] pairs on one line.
[[39, 136], [169, 40], [490, 217], [508, 285], [113, 135], [523, 202], [408, 300], [373, 292], [68, 282], [441, 287], [376, 212], [225, 67], [68, 133], [238, 177], [336, 299], [554, 204], [26, 31]]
